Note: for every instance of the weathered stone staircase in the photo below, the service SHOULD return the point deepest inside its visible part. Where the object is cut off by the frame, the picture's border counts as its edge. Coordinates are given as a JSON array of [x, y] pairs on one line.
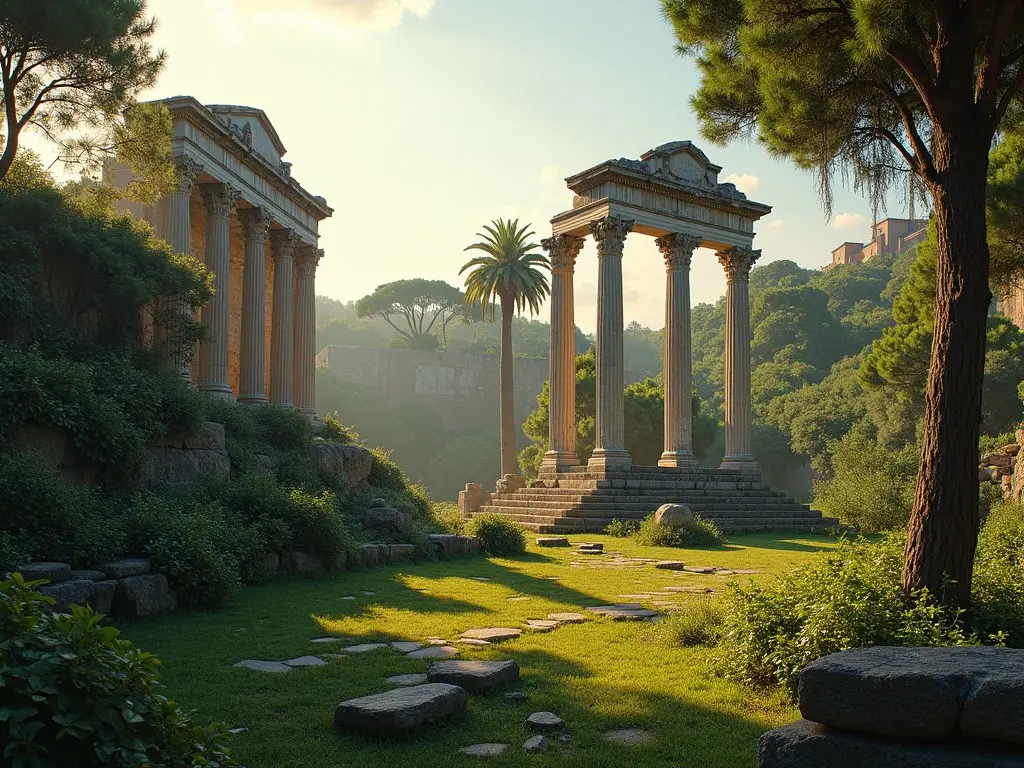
[[581, 501]]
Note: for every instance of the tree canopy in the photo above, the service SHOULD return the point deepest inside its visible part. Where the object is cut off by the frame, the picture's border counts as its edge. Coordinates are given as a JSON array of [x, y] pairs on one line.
[[418, 310]]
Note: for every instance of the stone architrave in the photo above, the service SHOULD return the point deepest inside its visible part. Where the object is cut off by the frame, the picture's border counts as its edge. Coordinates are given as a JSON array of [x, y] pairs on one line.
[[307, 257], [282, 332], [220, 201], [609, 449], [253, 350], [178, 233], [562, 250], [677, 250], [737, 263]]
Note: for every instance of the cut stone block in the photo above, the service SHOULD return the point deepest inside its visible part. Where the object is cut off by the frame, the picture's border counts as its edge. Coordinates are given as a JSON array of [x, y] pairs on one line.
[[364, 647], [137, 597], [474, 676], [624, 612], [591, 545], [263, 666], [98, 594], [52, 572], [303, 562], [306, 661], [401, 709], [541, 625], [492, 634], [406, 680], [406, 647], [88, 576], [120, 569], [544, 721], [434, 652], [402, 551], [552, 541], [670, 565], [567, 618], [484, 750]]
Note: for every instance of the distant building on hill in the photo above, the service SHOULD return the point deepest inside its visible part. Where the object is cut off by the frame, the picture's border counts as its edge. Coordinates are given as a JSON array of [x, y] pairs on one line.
[[889, 236]]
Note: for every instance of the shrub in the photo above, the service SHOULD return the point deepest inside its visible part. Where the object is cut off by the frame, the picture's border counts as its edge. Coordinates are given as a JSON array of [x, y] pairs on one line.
[[332, 430], [385, 473], [621, 528], [701, 533], [696, 622], [997, 589], [318, 525], [77, 695], [448, 518], [500, 535]]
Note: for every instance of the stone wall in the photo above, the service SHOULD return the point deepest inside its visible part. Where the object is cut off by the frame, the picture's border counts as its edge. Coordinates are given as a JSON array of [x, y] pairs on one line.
[[1005, 468]]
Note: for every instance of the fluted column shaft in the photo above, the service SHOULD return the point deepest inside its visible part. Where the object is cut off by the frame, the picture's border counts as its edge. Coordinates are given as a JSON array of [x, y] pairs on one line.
[[609, 449], [178, 233], [677, 250], [562, 251], [253, 348], [213, 353], [306, 260], [737, 263], [282, 330]]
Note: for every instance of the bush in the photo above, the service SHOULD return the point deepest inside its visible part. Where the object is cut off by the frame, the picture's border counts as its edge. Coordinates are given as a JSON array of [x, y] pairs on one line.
[[997, 589], [621, 528], [448, 518], [702, 533], [385, 473], [318, 526], [500, 535], [333, 431], [696, 622], [77, 695]]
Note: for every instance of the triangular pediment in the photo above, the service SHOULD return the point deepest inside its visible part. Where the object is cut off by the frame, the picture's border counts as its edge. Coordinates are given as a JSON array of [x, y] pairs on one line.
[[682, 162], [252, 127]]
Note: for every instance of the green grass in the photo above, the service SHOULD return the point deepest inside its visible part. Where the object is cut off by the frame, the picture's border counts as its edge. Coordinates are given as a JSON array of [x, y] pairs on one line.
[[597, 676]]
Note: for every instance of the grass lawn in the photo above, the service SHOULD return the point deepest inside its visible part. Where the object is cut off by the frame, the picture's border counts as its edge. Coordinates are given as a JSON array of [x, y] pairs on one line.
[[597, 676]]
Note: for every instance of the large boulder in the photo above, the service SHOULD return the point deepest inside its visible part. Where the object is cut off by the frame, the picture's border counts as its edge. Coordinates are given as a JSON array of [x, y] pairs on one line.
[[182, 468], [673, 516], [51, 572], [332, 459], [98, 594], [384, 517], [303, 562], [474, 676], [208, 437], [809, 745], [918, 692], [1001, 460], [137, 597], [129, 566], [401, 709]]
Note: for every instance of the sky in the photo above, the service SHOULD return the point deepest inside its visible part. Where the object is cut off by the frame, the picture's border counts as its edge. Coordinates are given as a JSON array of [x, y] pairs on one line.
[[421, 120]]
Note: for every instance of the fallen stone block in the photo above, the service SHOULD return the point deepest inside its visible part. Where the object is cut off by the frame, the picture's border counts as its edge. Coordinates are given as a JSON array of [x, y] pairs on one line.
[[552, 541], [474, 676], [98, 594], [401, 709], [51, 572], [137, 597], [119, 569], [670, 565]]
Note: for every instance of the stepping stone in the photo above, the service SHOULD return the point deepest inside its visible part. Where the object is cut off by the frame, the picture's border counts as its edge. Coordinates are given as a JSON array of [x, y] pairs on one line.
[[263, 666], [747, 571], [565, 738], [349, 597], [567, 618], [515, 696], [406, 647], [539, 625], [480, 578], [471, 641], [536, 744], [364, 647], [326, 640], [640, 596], [552, 541], [401, 709], [589, 552], [474, 676], [306, 661], [417, 679], [436, 641], [367, 594], [629, 736], [491, 634], [724, 572], [670, 565], [624, 612], [517, 599], [701, 569], [434, 652], [484, 750], [544, 721], [591, 545]]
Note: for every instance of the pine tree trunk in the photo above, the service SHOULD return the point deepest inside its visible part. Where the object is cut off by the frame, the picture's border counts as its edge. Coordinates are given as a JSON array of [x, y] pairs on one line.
[[943, 529], [509, 464]]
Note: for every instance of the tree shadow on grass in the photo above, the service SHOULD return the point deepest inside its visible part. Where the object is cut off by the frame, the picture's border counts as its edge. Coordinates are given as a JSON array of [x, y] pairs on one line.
[[767, 541]]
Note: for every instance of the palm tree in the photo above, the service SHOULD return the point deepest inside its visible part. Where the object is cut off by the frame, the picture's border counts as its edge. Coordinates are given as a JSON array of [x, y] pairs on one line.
[[508, 271]]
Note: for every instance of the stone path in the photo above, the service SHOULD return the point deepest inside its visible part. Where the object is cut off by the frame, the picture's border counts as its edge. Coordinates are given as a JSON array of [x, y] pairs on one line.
[[474, 676], [484, 750]]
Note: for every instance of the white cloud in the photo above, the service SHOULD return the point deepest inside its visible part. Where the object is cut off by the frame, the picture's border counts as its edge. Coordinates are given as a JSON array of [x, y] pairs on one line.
[[850, 221], [549, 175], [776, 223], [746, 182], [339, 16]]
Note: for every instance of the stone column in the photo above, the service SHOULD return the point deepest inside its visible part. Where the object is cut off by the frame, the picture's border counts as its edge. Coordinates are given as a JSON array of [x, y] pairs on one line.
[[253, 349], [282, 330], [178, 232], [609, 449], [563, 251], [213, 354], [306, 259], [737, 262], [677, 250]]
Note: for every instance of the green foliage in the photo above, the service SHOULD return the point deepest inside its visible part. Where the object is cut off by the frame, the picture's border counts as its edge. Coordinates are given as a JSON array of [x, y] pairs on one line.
[[417, 310], [385, 473], [318, 526], [871, 487], [75, 694], [997, 588], [509, 267], [701, 533], [448, 518], [333, 431], [1005, 201], [500, 535], [695, 622], [621, 528]]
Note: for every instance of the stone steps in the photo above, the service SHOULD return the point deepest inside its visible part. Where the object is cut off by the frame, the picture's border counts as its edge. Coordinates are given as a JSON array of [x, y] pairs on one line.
[[643, 506], [734, 525], [655, 495]]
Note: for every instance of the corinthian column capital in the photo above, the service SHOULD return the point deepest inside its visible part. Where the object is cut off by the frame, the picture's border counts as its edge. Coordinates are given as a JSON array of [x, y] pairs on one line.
[[677, 249], [220, 199], [737, 262], [307, 257], [562, 251], [283, 243], [255, 222], [610, 234], [188, 171]]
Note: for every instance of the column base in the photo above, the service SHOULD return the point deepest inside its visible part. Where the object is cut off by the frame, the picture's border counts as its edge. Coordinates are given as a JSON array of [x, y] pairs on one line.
[[611, 458], [558, 461], [311, 414], [282, 405], [216, 390], [741, 463], [679, 459], [253, 399]]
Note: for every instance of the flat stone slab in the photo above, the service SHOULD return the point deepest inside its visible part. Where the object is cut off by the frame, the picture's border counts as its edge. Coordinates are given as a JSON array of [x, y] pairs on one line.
[[809, 745], [552, 541], [484, 750], [471, 641], [474, 676], [306, 661], [670, 565], [436, 641], [702, 569], [434, 652], [480, 578], [624, 612], [536, 743], [492, 634], [415, 679], [544, 721], [628, 736], [52, 572], [589, 552], [87, 575], [364, 647], [119, 569], [324, 640], [406, 646], [541, 625], [401, 709], [567, 618], [515, 696], [591, 545], [263, 666], [979, 691]]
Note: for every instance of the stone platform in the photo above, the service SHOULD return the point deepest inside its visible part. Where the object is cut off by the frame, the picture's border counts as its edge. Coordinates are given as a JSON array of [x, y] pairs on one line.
[[583, 500]]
